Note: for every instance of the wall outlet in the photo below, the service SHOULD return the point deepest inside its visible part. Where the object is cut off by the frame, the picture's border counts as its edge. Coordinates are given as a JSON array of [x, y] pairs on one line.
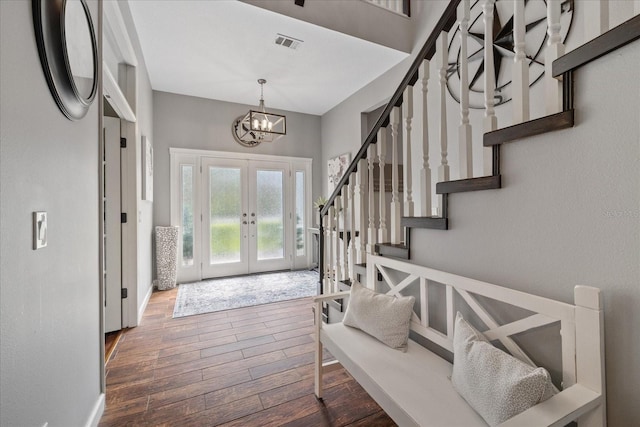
[[39, 230]]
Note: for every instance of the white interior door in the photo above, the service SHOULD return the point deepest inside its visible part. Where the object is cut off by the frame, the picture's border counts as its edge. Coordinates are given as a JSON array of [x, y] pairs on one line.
[[112, 238]]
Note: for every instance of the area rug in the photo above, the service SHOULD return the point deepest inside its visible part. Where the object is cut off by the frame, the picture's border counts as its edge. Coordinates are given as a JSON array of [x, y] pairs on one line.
[[212, 295]]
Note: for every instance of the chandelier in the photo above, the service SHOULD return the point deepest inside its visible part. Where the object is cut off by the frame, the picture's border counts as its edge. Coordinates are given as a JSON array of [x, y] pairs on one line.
[[258, 125]]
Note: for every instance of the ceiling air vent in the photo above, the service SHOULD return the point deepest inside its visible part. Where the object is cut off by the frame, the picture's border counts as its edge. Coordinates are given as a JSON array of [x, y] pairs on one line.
[[286, 41]]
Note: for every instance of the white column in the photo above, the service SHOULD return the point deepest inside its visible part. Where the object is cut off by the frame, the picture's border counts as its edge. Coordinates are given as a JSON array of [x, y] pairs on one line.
[[396, 211], [554, 50], [383, 232], [372, 236], [425, 172], [596, 18], [490, 119], [520, 93], [407, 114], [465, 154], [351, 259], [361, 211], [441, 52]]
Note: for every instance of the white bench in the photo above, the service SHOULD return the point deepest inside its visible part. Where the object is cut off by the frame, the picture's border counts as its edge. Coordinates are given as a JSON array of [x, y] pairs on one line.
[[414, 388]]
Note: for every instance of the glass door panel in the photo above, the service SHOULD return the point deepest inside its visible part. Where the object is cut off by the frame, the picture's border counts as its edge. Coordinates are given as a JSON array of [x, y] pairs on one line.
[[270, 214], [269, 230], [224, 218]]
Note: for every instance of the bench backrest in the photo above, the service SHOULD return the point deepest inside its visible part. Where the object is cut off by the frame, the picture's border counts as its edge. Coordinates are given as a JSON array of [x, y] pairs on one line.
[[581, 324]]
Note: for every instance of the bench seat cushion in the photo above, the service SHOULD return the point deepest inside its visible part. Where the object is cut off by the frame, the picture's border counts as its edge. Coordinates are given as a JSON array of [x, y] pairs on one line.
[[423, 397]]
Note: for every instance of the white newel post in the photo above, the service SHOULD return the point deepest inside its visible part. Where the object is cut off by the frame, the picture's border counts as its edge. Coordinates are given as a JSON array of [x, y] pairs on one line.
[[351, 260], [596, 18], [396, 236], [465, 154], [344, 202], [331, 249], [554, 50], [425, 172], [441, 53], [383, 233], [520, 80], [336, 240], [373, 232], [361, 211], [490, 119], [407, 114]]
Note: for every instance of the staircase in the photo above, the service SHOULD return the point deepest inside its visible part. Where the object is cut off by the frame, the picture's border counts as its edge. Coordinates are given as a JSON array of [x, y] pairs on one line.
[[378, 224]]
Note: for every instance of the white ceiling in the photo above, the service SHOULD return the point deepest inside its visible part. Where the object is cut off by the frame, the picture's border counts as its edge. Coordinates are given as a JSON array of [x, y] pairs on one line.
[[219, 49]]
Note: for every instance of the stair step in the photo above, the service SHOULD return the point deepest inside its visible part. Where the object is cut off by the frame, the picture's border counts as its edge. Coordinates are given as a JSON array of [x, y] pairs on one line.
[[562, 120], [471, 184], [611, 40], [393, 250], [432, 222]]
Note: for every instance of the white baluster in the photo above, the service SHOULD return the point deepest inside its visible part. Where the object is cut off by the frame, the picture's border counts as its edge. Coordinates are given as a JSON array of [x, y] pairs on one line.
[[383, 233], [441, 52], [361, 211], [554, 50], [373, 232], [520, 67], [396, 211], [425, 172], [331, 249], [465, 154], [596, 18], [490, 119], [407, 114], [344, 202], [351, 260], [336, 238]]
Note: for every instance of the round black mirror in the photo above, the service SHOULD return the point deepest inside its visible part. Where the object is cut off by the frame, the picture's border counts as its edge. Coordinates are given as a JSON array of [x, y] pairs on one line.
[[68, 53]]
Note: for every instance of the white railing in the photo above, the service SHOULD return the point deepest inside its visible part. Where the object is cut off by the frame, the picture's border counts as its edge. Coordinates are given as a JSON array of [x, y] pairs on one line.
[[371, 216]]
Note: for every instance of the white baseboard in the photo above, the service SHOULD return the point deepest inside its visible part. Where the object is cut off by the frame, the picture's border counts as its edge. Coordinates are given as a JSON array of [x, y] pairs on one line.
[[145, 301], [96, 413]]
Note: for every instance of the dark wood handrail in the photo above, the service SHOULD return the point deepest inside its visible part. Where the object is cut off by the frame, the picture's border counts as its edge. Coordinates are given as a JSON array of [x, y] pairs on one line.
[[446, 22]]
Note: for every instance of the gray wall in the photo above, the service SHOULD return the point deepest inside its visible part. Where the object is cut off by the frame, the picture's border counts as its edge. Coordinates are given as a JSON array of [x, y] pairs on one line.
[[569, 214], [181, 121], [49, 298]]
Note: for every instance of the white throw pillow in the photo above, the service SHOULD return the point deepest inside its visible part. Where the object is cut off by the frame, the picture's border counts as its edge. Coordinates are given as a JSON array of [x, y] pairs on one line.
[[384, 317], [497, 385]]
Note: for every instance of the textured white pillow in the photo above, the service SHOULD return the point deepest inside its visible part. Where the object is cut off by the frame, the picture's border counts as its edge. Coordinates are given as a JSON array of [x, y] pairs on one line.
[[497, 385], [384, 317]]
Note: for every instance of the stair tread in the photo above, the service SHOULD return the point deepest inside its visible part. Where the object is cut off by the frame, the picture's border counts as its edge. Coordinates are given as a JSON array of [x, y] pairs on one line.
[[561, 120], [431, 222], [491, 182]]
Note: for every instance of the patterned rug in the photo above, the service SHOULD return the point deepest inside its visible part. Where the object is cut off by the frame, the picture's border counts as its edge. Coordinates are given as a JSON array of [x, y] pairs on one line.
[[212, 295]]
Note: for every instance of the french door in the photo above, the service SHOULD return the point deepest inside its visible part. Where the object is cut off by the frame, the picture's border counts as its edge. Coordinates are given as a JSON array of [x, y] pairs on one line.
[[239, 216], [245, 229]]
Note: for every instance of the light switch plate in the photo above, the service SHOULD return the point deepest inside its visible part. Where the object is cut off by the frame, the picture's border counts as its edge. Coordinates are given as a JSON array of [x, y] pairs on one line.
[[39, 230]]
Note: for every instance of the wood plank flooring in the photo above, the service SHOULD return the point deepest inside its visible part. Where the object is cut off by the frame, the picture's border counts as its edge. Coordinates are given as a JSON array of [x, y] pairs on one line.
[[246, 367]]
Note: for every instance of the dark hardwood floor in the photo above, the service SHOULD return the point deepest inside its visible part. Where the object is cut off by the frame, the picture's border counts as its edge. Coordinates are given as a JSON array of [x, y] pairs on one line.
[[246, 367]]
